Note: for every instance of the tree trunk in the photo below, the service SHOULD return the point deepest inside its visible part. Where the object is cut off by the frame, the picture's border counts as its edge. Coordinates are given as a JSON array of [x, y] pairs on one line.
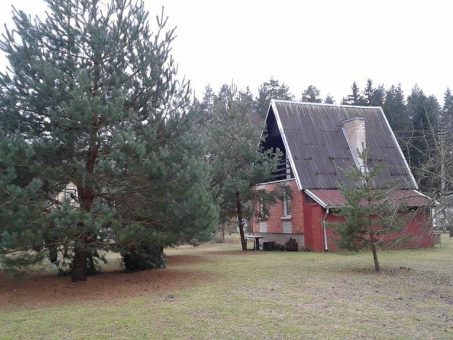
[[240, 223], [79, 265], [377, 267], [79, 262], [86, 197]]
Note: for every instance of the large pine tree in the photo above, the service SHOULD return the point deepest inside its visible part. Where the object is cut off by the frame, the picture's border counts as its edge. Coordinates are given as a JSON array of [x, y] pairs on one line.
[[91, 97], [236, 162]]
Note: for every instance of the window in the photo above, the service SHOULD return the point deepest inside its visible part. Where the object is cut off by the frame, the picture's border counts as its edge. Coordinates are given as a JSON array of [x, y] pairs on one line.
[[286, 202], [260, 209], [287, 227], [70, 194], [263, 227]]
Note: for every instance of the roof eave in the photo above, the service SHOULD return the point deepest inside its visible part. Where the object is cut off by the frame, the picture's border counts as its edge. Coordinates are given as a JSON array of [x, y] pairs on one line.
[[285, 143], [414, 182]]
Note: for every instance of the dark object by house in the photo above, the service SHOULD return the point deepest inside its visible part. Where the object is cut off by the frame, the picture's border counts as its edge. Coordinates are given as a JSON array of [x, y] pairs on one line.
[[292, 245], [279, 247], [269, 245]]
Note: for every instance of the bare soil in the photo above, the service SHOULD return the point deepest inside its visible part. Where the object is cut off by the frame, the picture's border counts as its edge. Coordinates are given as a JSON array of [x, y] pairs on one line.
[[48, 289]]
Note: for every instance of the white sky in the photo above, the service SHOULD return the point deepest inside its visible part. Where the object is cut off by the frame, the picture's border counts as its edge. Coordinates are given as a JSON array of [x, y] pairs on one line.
[[327, 43]]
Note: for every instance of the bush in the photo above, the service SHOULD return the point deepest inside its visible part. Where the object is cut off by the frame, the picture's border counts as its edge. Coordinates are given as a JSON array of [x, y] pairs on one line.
[[143, 257]]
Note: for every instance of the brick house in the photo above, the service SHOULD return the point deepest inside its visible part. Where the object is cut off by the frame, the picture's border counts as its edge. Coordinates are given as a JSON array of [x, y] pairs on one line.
[[320, 141]]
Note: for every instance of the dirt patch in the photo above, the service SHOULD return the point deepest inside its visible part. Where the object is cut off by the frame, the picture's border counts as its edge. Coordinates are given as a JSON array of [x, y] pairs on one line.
[[176, 260], [234, 252], [49, 289]]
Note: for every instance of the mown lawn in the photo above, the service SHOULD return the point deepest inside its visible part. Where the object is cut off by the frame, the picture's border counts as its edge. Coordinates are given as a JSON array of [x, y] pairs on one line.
[[215, 291]]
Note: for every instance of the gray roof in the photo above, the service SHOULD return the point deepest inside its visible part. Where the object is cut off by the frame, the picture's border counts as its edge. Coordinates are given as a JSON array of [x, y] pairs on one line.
[[318, 150]]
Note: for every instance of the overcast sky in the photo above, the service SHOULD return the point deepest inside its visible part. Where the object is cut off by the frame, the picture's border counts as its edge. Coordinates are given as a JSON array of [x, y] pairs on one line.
[[325, 43]]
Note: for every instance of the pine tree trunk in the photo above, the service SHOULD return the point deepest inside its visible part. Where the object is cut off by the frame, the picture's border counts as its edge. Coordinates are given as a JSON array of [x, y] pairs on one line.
[[377, 267], [240, 223], [79, 265], [79, 262], [86, 197]]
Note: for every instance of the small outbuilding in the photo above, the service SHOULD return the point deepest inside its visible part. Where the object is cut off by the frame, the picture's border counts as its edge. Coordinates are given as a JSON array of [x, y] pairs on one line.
[[319, 142]]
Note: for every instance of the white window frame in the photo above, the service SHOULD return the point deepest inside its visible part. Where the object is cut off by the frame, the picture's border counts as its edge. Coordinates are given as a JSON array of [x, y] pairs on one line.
[[286, 203]]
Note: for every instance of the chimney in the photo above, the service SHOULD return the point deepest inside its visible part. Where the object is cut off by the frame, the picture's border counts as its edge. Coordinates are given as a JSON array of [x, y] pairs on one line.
[[354, 131]]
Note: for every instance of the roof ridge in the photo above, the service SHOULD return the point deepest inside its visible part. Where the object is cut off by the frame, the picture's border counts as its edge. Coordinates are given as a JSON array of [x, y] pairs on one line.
[[324, 104]]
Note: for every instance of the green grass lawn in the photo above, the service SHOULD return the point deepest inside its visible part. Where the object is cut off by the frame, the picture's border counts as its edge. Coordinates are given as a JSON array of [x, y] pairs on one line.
[[215, 291]]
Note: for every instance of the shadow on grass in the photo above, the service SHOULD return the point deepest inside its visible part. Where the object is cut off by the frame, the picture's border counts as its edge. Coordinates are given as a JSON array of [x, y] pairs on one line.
[[185, 259], [39, 290]]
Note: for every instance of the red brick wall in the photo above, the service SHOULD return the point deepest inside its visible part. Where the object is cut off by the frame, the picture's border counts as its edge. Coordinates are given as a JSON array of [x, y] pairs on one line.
[[275, 221], [416, 234], [307, 217]]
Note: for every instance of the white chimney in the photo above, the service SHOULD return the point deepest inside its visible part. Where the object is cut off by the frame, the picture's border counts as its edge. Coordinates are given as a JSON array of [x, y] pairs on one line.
[[354, 131]]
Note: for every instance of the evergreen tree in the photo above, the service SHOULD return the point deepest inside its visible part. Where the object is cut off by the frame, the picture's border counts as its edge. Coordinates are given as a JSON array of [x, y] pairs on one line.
[[329, 99], [424, 114], [246, 96], [91, 97], [237, 164], [311, 95], [207, 104], [373, 96], [369, 212], [355, 98], [447, 111], [445, 142], [271, 89], [368, 92], [395, 110], [226, 95]]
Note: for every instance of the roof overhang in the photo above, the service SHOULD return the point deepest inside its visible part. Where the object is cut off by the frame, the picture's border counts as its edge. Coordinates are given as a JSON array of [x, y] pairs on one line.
[[334, 198]]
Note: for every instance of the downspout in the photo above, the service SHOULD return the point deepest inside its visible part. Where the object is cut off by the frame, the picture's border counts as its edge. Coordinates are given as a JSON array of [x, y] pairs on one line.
[[324, 229]]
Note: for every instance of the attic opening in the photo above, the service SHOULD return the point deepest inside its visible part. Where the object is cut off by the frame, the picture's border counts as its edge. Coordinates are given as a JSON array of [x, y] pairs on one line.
[[274, 141]]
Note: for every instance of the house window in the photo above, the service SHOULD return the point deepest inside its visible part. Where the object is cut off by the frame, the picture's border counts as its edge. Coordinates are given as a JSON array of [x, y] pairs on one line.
[[260, 209], [287, 227], [286, 202], [70, 194], [263, 227]]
